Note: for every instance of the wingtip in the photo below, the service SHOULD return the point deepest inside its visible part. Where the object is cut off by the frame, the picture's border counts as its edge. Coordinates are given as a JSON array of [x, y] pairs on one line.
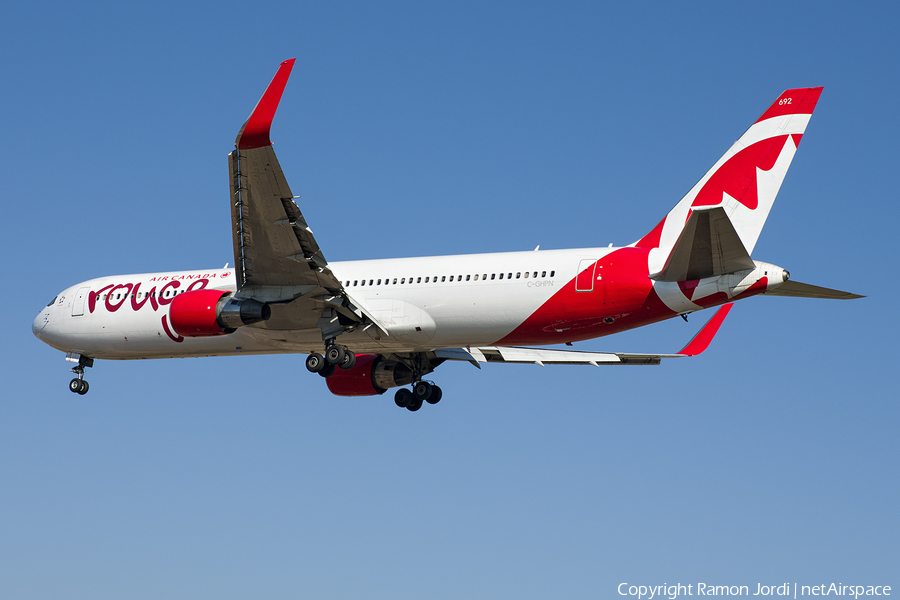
[[255, 132], [701, 341]]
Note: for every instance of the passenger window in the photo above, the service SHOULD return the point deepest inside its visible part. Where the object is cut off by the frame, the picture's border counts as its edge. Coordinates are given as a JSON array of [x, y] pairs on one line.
[[426, 280], [509, 276], [476, 276], [518, 275], [379, 282], [543, 273], [370, 282], [451, 278], [493, 275], [403, 280], [395, 281], [363, 282], [468, 277], [419, 280], [535, 274], [526, 274], [501, 275], [484, 276], [444, 278], [552, 273]]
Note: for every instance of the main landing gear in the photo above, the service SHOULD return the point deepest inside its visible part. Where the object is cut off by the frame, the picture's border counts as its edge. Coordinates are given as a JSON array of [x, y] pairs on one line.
[[335, 356], [79, 385], [422, 391]]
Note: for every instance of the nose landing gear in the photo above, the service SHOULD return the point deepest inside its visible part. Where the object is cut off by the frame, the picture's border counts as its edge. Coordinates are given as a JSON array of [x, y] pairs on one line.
[[79, 384]]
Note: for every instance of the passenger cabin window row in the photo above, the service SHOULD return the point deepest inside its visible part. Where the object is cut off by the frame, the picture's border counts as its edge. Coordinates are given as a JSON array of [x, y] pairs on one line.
[[445, 278]]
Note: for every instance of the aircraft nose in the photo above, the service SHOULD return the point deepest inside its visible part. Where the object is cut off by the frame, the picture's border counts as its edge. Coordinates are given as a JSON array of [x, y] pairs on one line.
[[40, 321]]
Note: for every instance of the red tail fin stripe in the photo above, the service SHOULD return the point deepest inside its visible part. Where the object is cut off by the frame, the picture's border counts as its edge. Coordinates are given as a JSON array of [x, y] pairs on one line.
[[737, 177], [801, 101]]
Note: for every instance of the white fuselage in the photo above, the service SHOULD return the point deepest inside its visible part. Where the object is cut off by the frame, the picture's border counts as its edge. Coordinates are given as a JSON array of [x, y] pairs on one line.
[[422, 302]]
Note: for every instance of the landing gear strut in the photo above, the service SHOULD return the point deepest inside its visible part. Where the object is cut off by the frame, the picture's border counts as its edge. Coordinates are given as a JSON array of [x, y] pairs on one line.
[[422, 391], [79, 384]]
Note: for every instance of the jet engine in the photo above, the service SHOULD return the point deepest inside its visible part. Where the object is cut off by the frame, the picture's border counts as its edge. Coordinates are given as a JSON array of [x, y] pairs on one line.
[[372, 374], [204, 313]]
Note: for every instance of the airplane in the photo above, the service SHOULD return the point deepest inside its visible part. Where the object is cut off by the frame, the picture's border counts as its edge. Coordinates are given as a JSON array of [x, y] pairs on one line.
[[367, 326]]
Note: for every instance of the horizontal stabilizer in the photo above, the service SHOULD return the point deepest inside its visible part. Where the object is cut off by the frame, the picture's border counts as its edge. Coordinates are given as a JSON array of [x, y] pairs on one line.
[[795, 289], [707, 247]]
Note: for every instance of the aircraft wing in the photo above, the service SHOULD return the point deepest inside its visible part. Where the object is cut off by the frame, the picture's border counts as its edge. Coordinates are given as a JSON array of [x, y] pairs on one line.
[[277, 258], [542, 356]]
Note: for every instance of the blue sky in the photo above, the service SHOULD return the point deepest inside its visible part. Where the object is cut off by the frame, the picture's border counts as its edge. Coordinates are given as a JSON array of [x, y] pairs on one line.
[[412, 129]]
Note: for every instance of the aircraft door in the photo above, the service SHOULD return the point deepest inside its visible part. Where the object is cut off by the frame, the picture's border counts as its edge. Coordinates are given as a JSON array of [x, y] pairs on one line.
[[78, 301], [584, 281]]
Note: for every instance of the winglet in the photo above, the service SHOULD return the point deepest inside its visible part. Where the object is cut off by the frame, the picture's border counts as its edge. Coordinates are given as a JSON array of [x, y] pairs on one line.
[[255, 132], [700, 342]]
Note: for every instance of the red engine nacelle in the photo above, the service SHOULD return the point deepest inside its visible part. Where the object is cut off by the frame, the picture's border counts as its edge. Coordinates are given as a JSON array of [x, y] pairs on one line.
[[357, 381], [371, 375], [204, 313]]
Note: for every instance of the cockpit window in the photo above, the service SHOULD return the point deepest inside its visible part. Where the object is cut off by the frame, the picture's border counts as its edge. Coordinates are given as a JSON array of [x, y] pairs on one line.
[[52, 302]]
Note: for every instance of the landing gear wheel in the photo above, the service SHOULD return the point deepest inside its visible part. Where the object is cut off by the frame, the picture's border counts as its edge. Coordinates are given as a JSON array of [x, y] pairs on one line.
[[403, 398], [335, 355], [84, 388], [415, 405], [422, 391], [315, 363], [349, 360], [327, 371], [75, 386], [435, 396]]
